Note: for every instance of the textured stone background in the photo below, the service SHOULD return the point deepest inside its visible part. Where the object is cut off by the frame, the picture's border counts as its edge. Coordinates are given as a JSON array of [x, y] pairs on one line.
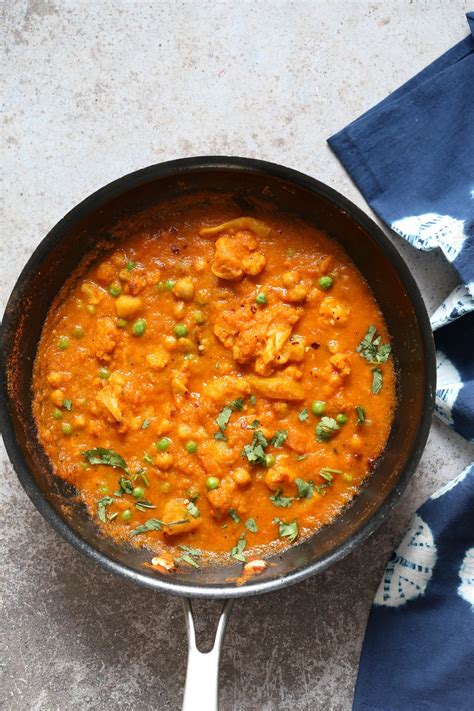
[[94, 90]]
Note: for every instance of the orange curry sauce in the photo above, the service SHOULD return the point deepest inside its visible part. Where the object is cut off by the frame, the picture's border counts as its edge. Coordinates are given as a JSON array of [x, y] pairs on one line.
[[219, 368]]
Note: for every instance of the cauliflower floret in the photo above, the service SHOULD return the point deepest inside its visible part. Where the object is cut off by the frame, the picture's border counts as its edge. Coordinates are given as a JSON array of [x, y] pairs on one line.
[[225, 388], [158, 359], [105, 338], [127, 305], [277, 387], [333, 311], [226, 497], [110, 395], [263, 339]]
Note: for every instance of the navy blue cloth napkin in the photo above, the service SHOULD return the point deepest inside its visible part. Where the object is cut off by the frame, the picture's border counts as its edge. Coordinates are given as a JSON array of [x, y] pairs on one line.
[[412, 157]]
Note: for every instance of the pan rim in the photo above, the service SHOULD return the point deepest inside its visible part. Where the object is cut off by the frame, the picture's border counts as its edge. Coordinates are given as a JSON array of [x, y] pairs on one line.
[[185, 166]]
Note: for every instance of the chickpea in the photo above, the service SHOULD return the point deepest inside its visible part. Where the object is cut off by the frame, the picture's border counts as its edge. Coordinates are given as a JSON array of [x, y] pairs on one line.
[[241, 477], [57, 397], [184, 289], [290, 279]]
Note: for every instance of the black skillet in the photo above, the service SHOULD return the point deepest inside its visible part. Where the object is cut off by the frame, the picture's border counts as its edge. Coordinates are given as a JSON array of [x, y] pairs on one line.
[[405, 314]]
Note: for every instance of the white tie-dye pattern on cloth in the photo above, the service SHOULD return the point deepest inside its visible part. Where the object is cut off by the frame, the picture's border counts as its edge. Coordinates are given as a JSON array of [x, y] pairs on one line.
[[426, 232], [409, 570], [466, 573]]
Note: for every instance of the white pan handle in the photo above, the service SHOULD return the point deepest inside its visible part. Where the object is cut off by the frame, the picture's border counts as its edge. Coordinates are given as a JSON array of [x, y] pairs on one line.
[[201, 689]]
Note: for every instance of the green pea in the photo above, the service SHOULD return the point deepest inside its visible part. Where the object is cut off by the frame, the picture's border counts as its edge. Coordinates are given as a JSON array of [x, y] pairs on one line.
[[66, 428], [212, 482], [318, 407], [78, 332], [165, 487], [199, 317], [163, 444], [115, 289], [166, 285], [139, 327], [270, 460], [126, 515], [130, 266], [341, 418], [180, 330], [63, 343], [325, 283], [104, 373], [261, 298], [57, 414], [138, 492], [121, 323], [90, 308], [191, 447]]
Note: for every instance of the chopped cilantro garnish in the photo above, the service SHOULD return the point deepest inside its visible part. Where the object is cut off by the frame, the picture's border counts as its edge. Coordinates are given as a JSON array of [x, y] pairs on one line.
[[282, 501], [303, 415], [252, 400], [253, 425], [126, 486], [377, 380], [67, 404], [301, 457], [234, 515], [251, 525], [360, 415], [305, 488], [154, 524], [255, 452], [237, 404], [237, 551], [287, 530], [146, 423], [105, 456], [223, 418], [220, 437], [326, 428], [279, 439], [102, 505], [372, 349], [192, 509]]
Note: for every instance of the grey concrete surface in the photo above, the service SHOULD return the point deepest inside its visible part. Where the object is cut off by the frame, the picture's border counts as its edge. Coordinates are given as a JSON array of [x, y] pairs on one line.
[[94, 90]]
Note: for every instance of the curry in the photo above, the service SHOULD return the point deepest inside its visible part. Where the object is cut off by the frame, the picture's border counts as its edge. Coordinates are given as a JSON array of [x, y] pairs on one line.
[[216, 387]]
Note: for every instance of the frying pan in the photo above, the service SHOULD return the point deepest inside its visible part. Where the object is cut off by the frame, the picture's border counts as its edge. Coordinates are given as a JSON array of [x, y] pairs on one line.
[[75, 236]]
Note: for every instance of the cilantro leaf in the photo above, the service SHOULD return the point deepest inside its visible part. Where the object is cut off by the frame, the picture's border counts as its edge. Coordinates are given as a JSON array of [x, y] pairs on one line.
[[288, 530], [377, 380], [372, 349], [101, 507], [301, 457], [303, 415], [192, 551], [126, 486], [305, 488], [237, 404], [234, 515], [185, 558], [105, 456], [360, 415], [251, 525], [143, 505], [253, 425], [279, 438], [154, 524], [326, 428], [223, 418], [283, 502], [146, 424], [192, 509], [237, 551], [255, 452], [220, 437], [252, 400], [67, 404]]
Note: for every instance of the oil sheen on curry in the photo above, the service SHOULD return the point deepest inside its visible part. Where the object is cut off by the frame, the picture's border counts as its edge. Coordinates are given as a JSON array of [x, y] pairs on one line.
[[217, 387]]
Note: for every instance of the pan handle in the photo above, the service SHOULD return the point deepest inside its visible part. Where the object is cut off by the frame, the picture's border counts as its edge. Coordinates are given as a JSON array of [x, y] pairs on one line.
[[201, 689]]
